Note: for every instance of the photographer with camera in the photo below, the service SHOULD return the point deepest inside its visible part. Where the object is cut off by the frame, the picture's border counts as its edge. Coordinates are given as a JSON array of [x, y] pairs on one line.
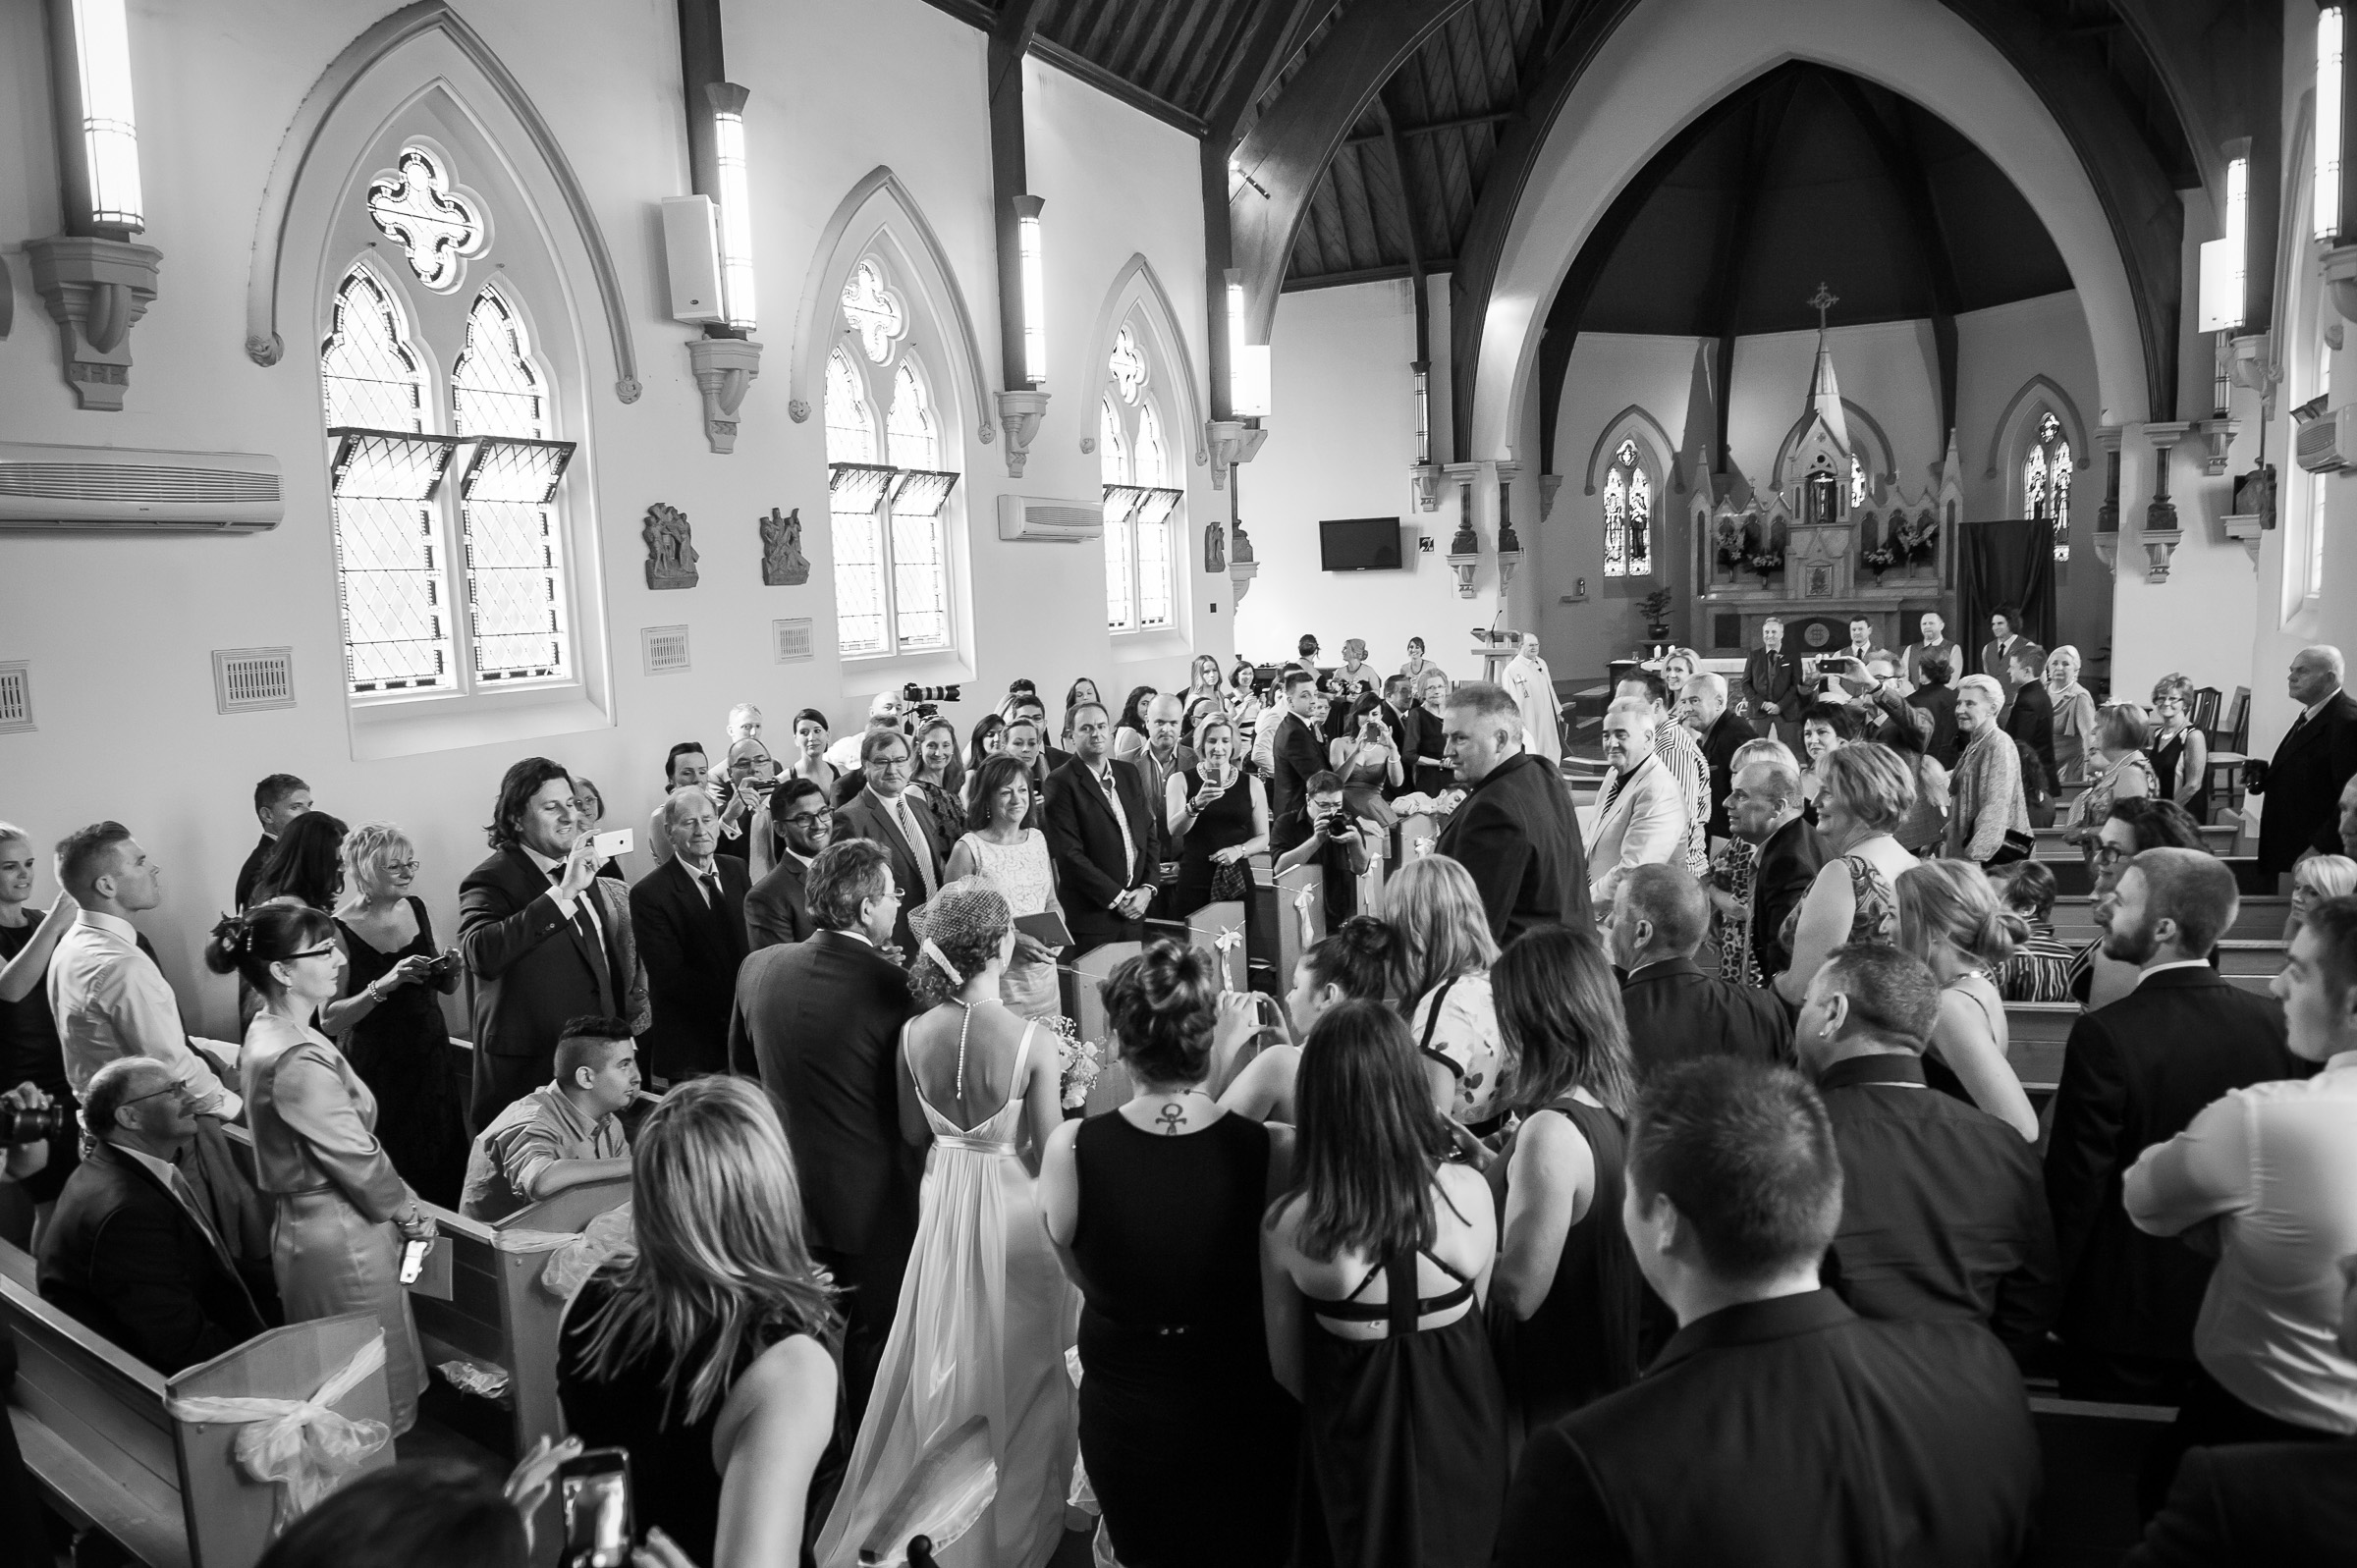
[[1321, 828], [129, 1253]]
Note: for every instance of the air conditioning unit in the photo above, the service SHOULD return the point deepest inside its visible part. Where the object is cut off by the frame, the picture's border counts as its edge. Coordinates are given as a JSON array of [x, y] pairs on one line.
[[1057, 521], [2328, 441], [53, 489]]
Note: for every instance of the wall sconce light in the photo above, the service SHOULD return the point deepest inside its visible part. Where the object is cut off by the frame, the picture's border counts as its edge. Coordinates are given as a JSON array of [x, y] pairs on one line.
[[2329, 95], [96, 281], [1423, 413], [1247, 363], [728, 103], [2224, 263], [1035, 290]]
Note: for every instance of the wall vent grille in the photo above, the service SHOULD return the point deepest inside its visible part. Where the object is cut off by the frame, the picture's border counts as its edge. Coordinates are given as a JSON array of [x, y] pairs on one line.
[[16, 699], [95, 481], [666, 649], [251, 679], [792, 640]]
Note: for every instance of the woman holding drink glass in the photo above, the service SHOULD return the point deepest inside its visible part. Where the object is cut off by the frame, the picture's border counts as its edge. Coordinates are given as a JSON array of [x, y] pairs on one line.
[[1222, 816]]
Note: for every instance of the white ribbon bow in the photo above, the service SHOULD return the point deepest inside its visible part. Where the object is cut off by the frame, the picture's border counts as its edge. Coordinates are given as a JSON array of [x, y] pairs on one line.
[[1226, 942], [301, 1446], [1304, 903], [1422, 846]]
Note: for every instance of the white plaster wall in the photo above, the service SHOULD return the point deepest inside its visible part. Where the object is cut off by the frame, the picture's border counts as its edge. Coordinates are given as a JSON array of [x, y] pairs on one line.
[[117, 630]]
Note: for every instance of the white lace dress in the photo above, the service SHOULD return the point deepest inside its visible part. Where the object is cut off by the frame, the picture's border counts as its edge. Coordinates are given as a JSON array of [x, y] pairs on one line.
[[1025, 877]]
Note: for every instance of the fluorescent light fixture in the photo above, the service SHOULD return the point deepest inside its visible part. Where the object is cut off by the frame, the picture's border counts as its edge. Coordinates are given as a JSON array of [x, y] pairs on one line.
[[110, 132], [1423, 415], [2329, 24], [2223, 259], [1247, 363], [728, 103], [1033, 247]]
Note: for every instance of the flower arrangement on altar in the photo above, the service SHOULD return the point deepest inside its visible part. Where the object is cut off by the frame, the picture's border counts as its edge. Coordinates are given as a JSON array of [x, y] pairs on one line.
[[1917, 540], [1767, 562], [1881, 558], [1731, 542]]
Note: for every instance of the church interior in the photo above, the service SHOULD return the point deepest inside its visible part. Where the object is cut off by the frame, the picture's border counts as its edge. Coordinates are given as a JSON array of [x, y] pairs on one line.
[[390, 392]]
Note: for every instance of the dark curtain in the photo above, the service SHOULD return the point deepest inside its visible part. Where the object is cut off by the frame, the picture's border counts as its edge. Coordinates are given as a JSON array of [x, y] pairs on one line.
[[2009, 562]]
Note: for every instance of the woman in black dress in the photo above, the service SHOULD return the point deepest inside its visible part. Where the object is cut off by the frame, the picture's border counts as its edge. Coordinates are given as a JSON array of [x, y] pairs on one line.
[[1155, 1209], [1384, 1247], [1221, 813], [30, 1050], [391, 1012], [1564, 1301], [710, 1353]]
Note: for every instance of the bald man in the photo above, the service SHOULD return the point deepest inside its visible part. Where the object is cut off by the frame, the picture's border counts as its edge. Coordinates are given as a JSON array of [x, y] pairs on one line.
[[2314, 759], [1702, 707]]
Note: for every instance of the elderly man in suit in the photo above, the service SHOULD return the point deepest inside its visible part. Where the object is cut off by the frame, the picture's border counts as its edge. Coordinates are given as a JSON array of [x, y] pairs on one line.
[[1764, 808], [1295, 753], [1777, 1425], [2314, 759], [1104, 835], [689, 916], [1515, 831], [1702, 707], [885, 812], [2135, 1073], [819, 1022], [777, 908], [1771, 683], [1675, 1011], [1641, 810], [545, 937], [130, 1250]]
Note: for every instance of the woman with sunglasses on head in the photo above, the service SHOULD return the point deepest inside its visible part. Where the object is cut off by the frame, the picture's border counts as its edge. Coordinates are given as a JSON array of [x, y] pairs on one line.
[[343, 1208]]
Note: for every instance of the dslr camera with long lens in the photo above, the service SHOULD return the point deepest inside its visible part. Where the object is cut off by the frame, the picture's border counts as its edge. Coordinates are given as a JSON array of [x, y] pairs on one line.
[[20, 1125], [924, 703]]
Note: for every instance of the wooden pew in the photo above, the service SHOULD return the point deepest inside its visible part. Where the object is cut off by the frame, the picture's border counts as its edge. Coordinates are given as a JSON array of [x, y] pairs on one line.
[[107, 1455], [2091, 1454], [2259, 919], [1278, 922], [2220, 838], [1204, 928], [2241, 958], [2036, 1032], [1084, 1004]]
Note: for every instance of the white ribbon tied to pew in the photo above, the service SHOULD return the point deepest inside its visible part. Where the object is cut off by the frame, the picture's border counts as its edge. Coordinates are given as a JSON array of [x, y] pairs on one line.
[[301, 1446], [1304, 903], [1226, 942]]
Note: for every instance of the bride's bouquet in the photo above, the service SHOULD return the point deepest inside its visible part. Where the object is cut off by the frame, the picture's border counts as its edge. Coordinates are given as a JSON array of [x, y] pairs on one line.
[[1081, 1060]]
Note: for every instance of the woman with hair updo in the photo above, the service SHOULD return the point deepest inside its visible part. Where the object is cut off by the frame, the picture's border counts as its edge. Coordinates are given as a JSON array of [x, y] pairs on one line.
[[1441, 950], [1155, 1209], [394, 1036], [1564, 1302], [985, 1313], [2180, 753], [1869, 789], [1351, 962], [709, 1350], [1007, 850], [1951, 918], [343, 1209], [1377, 1266]]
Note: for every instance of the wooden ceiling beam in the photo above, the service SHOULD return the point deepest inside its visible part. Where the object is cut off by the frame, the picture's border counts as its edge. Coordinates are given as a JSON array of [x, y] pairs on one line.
[[1902, 164], [1398, 157], [1740, 219], [1433, 128]]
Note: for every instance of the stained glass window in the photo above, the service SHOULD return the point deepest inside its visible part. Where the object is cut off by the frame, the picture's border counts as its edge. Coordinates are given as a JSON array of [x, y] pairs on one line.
[[2046, 476], [919, 562], [1138, 472], [514, 562], [1627, 515], [852, 511], [415, 206], [1857, 484]]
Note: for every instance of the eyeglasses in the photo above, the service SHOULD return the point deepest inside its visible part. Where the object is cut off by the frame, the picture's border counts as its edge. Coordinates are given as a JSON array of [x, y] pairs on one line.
[[179, 1089], [807, 816], [2110, 855], [310, 953], [392, 866]]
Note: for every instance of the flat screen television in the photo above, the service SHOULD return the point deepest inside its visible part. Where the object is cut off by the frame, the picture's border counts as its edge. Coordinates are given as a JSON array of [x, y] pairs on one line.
[[1359, 544]]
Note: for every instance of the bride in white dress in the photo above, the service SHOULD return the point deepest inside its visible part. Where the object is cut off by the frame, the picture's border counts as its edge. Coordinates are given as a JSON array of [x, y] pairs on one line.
[[985, 1311], [1014, 858]]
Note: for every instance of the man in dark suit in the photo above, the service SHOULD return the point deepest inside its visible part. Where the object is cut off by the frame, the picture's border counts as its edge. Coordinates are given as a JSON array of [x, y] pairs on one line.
[[1998, 652], [1676, 1013], [1764, 808], [1772, 684], [277, 800], [544, 936], [1702, 707], [1515, 831], [2031, 717], [885, 813], [2135, 1073], [2316, 756], [689, 916], [1943, 1209], [129, 1251], [777, 908], [1298, 753], [1102, 836], [1777, 1427], [819, 1022]]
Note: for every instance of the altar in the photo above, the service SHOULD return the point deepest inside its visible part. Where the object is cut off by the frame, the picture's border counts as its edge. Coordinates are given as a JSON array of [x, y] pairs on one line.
[[1824, 542]]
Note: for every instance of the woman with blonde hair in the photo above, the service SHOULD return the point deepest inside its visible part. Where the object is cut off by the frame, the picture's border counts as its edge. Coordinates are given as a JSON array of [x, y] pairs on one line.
[[2313, 881], [1952, 919], [391, 1014], [1440, 956], [2180, 753], [2121, 771], [2074, 717], [708, 1351], [1867, 792]]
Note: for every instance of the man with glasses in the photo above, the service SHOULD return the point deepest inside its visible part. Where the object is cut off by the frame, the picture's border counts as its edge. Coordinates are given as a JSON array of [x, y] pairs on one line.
[[131, 1251], [546, 938], [777, 910]]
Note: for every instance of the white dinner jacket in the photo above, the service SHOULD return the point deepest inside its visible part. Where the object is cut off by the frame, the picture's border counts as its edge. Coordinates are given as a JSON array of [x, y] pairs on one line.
[[1645, 825]]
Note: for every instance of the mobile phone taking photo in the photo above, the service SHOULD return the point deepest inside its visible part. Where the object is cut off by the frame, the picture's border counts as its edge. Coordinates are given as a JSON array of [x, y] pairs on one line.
[[600, 1512]]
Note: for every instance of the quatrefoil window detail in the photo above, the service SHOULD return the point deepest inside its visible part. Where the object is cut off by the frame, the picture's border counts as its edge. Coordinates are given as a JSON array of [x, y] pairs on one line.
[[1128, 366], [874, 312], [415, 207]]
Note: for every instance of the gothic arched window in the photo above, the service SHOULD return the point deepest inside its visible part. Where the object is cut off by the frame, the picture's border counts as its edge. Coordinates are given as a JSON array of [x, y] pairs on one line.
[[2046, 481], [885, 488], [1627, 515], [1133, 462]]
